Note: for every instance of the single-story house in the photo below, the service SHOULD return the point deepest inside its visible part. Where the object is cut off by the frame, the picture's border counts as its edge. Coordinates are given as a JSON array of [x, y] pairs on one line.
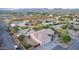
[[43, 36], [12, 25], [22, 32], [75, 22], [20, 23]]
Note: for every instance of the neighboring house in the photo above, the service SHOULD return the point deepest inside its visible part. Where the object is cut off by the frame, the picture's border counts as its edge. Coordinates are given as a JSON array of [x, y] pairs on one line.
[[75, 22], [50, 15], [70, 22], [74, 19], [22, 32], [20, 23], [47, 22], [43, 36], [12, 25], [76, 26]]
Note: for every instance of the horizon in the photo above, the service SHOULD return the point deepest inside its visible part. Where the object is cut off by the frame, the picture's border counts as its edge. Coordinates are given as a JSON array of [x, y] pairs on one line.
[[38, 8]]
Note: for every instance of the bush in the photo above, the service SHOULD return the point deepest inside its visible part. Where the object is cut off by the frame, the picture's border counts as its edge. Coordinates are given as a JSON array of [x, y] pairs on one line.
[[75, 29], [63, 34], [27, 46], [21, 37], [62, 31], [64, 26], [38, 27], [66, 38], [15, 29], [41, 26], [46, 26]]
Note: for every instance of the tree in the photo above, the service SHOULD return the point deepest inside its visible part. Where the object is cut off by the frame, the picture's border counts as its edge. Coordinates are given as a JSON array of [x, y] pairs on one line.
[[64, 26], [27, 46], [15, 29], [38, 26], [66, 38], [61, 19], [21, 37], [46, 26], [70, 17]]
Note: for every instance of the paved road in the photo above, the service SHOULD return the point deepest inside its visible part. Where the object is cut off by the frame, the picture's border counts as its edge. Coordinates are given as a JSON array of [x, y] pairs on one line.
[[73, 46], [7, 39]]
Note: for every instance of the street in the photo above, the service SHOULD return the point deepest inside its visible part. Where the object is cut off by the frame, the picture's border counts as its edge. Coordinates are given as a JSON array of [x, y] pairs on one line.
[[7, 39]]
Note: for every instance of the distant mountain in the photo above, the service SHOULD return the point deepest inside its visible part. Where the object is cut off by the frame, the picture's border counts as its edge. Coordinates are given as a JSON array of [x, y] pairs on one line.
[[60, 10], [25, 9], [55, 10], [5, 9], [33, 9]]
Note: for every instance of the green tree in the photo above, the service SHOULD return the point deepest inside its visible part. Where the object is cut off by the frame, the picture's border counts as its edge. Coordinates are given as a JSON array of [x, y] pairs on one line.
[[21, 37], [38, 27], [64, 26], [63, 35], [66, 38], [27, 46], [15, 29]]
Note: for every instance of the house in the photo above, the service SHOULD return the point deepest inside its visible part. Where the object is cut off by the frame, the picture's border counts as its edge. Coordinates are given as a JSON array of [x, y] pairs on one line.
[[74, 19], [46, 22], [43, 36], [20, 23], [50, 15], [12, 25], [22, 32], [70, 22], [75, 22], [76, 26]]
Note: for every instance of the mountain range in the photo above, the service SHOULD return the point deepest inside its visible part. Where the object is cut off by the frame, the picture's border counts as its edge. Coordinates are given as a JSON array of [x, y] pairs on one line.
[[41, 10]]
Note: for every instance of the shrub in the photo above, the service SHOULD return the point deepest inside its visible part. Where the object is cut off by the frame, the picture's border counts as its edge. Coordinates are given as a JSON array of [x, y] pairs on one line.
[[66, 38], [63, 34], [27, 46], [15, 29], [38, 27], [21, 37], [46, 26], [75, 29], [64, 26]]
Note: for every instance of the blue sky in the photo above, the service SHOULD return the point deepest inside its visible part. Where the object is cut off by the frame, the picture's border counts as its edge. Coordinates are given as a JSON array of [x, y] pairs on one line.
[[39, 4]]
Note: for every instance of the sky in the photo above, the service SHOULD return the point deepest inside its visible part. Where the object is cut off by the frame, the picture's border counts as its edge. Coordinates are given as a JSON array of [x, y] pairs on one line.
[[39, 4]]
